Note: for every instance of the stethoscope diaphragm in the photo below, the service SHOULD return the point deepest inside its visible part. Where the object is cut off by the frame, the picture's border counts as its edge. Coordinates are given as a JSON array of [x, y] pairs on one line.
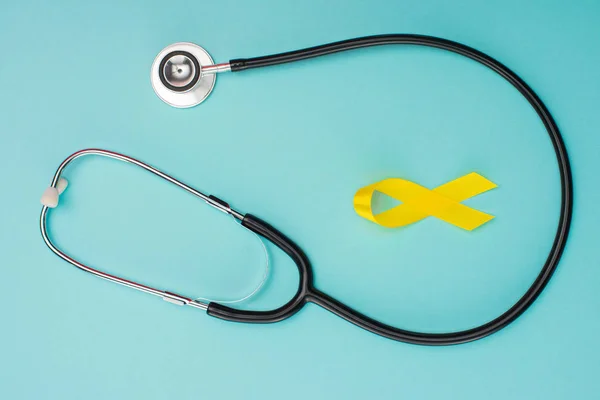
[[177, 78]]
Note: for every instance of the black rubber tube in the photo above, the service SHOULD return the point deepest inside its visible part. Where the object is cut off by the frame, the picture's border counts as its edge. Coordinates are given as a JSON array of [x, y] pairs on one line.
[[262, 228], [306, 291]]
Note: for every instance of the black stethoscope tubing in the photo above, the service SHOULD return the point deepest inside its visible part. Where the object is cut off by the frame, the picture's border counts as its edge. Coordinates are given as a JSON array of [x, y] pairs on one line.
[[307, 293]]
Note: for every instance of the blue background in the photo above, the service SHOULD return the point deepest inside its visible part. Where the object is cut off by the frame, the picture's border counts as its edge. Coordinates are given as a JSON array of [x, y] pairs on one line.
[[292, 145]]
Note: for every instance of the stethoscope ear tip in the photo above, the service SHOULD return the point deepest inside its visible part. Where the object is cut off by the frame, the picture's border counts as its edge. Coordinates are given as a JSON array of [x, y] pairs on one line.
[[51, 194], [177, 77]]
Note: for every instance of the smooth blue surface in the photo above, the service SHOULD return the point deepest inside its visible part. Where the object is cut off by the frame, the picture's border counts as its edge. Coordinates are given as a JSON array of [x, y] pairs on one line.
[[292, 145]]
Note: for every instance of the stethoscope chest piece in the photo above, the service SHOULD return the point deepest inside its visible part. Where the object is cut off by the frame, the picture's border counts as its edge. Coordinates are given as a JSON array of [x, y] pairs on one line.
[[177, 77]]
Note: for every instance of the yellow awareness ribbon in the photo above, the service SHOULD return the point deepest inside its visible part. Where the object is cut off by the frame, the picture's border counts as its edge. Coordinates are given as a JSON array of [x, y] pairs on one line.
[[418, 202]]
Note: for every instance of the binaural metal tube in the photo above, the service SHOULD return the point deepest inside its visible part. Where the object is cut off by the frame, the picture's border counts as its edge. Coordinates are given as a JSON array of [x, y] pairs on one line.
[[168, 296]]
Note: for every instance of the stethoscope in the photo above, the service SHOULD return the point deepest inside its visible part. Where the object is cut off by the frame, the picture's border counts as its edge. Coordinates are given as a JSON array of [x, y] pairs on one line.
[[183, 75]]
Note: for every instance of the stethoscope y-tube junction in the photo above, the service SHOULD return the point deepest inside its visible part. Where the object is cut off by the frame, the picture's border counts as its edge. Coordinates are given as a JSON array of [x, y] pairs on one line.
[[306, 292]]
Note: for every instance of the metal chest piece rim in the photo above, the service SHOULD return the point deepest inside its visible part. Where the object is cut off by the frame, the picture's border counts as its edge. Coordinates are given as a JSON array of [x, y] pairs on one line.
[[177, 77]]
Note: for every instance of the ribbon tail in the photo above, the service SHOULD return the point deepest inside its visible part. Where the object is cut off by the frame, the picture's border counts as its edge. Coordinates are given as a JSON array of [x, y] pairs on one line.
[[465, 187], [464, 217]]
